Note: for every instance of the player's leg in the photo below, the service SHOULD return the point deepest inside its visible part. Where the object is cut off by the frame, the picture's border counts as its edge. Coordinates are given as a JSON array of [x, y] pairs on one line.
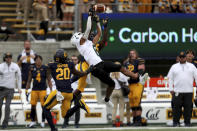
[[42, 95], [66, 103], [77, 93], [135, 103], [50, 102], [112, 67], [34, 100], [77, 115], [79, 104], [82, 80], [105, 78]]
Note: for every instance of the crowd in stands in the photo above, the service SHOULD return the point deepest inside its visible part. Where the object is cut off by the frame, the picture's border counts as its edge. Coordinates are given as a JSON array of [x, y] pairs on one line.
[[58, 15], [52, 10]]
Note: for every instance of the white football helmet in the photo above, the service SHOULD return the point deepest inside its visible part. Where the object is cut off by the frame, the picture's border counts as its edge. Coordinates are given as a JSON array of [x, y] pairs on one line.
[[76, 38]]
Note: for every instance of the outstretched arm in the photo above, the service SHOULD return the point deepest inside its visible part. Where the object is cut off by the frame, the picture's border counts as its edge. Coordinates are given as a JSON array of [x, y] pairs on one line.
[[98, 27], [88, 27], [104, 40]]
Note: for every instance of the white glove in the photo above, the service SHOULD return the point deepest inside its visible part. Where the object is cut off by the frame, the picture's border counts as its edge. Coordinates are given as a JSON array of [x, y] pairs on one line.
[[143, 78], [59, 96]]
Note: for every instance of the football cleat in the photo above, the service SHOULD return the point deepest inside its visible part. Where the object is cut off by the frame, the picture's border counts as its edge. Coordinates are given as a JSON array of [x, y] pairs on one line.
[[42, 124], [109, 103], [32, 124]]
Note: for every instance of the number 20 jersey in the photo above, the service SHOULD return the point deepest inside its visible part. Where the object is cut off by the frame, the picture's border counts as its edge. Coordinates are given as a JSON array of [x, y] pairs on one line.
[[61, 74]]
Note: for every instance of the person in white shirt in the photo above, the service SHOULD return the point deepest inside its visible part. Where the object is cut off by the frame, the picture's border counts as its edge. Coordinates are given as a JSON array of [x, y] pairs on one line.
[[88, 50], [9, 73], [181, 77], [117, 97]]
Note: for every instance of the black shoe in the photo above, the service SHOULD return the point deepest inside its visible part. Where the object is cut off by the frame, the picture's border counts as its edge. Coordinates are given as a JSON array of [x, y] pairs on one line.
[[176, 125], [4, 126], [129, 124], [137, 124], [188, 125], [76, 125], [64, 125], [55, 129]]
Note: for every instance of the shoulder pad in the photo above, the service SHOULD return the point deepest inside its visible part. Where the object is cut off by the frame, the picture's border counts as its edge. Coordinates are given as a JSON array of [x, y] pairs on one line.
[[141, 61]]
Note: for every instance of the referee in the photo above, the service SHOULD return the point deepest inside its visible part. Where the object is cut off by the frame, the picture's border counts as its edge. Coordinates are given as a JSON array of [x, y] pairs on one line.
[[181, 77]]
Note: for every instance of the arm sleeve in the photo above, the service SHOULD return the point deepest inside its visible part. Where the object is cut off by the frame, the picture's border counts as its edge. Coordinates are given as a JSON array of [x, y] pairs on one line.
[[74, 78], [170, 79], [88, 28], [141, 61]]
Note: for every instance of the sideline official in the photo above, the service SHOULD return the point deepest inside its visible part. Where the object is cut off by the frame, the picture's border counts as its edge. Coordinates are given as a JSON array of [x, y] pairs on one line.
[[181, 77]]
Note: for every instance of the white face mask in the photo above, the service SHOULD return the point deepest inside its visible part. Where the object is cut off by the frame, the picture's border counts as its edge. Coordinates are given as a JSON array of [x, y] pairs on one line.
[[3, 27]]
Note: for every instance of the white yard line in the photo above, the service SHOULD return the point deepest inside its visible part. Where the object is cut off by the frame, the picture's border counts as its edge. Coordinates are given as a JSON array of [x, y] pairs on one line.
[[105, 128]]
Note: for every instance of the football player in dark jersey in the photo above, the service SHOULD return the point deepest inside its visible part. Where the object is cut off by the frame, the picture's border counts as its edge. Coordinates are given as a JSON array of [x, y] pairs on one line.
[[61, 70], [136, 65], [190, 55], [38, 73]]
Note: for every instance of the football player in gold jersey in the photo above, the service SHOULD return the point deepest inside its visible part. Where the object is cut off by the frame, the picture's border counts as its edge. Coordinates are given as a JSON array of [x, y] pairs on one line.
[[136, 65]]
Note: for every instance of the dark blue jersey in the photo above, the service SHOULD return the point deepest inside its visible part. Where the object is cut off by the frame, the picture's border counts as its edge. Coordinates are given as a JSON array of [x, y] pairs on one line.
[[195, 63], [25, 68], [61, 74], [133, 67], [39, 77]]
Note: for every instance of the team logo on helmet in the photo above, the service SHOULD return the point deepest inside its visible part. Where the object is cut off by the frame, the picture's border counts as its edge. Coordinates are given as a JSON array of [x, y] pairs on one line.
[[60, 56]]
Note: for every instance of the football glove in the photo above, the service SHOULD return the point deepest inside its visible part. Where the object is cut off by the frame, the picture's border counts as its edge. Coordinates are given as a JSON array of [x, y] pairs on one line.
[[90, 69], [105, 22], [91, 12], [96, 18], [27, 95], [59, 96]]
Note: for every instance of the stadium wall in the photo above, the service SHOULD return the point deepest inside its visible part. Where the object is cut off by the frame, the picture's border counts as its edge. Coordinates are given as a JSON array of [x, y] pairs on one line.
[[45, 49]]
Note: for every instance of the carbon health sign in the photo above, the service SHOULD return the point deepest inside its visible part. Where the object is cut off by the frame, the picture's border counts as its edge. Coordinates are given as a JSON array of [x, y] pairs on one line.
[[152, 35]]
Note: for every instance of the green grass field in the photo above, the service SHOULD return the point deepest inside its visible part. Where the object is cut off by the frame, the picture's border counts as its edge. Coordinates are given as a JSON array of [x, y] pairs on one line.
[[71, 128]]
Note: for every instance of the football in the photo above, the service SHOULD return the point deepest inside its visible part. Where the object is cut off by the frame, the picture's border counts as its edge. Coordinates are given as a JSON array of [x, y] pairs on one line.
[[100, 8]]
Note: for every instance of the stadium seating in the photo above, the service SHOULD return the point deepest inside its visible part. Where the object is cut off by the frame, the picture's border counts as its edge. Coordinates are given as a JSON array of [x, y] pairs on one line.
[[8, 15]]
